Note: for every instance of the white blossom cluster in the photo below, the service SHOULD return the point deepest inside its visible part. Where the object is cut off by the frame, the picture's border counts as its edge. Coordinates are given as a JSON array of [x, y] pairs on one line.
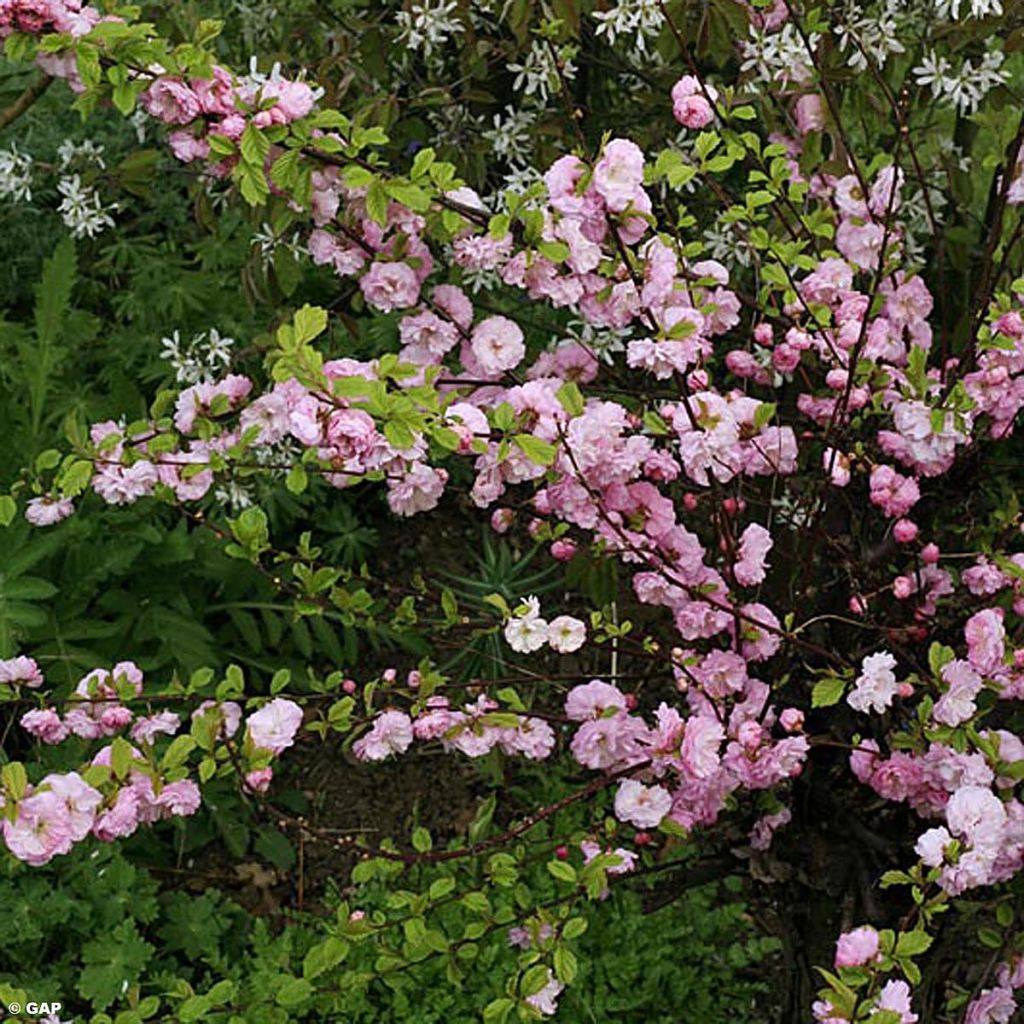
[[538, 74], [15, 174], [638, 21], [81, 208], [269, 241], [201, 359], [780, 56], [964, 87], [427, 26]]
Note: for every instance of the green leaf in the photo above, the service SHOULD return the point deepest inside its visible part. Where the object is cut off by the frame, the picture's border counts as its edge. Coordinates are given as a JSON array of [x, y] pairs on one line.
[[536, 450], [297, 480], [533, 980], [323, 956], [293, 992], [562, 871], [14, 779], [565, 965], [827, 692], [310, 322], [177, 753], [571, 398], [8, 509], [377, 202], [912, 943], [111, 962], [497, 1011]]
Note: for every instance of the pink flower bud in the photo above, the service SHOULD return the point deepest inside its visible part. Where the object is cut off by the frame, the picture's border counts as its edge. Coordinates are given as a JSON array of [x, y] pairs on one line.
[[902, 587], [642, 838], [905, 689], [857, 605], [349, 686], [690, 502], [792, 719], [502, 519], [563, 549], [562, 852], [930, 554], [905, 531], [730, 507]]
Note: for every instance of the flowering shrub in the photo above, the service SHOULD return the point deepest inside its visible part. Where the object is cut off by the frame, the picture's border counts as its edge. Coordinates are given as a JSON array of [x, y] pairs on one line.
[[727, 382]]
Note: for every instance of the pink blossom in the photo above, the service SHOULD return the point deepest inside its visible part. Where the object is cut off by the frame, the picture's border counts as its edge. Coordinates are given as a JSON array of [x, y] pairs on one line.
[[876, 686], [258, 781], [749, 568], [591, 700], [22, 670], [392, 733], [390, 286], [895, 996], [640, 805], [701, 747], [992, 1006], [986, 638], [809, 113], [42, 828], [497, 345], [619, 174], [47, 510], [690, 105], [170, 100], [857, 948], [45, 724], [274, 726], [418, 490]]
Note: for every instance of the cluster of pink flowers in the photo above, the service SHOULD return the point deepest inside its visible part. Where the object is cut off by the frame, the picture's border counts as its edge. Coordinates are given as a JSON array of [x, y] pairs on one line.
[[474, 731], [998, 1005], [63, 808], [36, 17], [849, 344]]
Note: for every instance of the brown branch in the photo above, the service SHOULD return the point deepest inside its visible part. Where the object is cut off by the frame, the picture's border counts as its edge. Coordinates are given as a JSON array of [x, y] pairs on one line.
[[24, 101]]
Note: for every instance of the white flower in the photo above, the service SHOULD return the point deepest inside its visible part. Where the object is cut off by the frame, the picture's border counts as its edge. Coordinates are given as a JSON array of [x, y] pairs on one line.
[[525, 636], [511, 138], [566, 634], [640, 805], [539, 73], [428, 25], [87, 151], [778, 56], [930, 846], [526, 631], [81, 208], [15, 174], [545, 1001], [876, 685], [978, 8], [200, 360], [641, 19]]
